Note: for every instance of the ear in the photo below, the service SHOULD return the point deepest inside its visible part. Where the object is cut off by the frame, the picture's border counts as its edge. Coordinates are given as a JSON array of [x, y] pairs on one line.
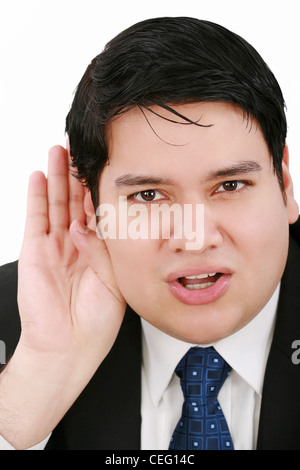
[[291, 203], [89, 210]]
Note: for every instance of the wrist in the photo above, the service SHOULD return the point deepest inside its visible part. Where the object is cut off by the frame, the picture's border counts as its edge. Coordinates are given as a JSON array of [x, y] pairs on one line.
[[33, 399]]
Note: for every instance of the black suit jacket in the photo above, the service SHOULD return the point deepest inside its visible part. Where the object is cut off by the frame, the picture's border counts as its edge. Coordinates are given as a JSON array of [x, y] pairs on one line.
[[107, 413]]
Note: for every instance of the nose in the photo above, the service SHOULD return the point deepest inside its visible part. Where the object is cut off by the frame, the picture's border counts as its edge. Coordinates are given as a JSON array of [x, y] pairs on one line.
[[199, 231]]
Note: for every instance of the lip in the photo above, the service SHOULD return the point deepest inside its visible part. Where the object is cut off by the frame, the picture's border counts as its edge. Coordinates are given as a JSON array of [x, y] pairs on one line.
[[194, 271], [201, 296]]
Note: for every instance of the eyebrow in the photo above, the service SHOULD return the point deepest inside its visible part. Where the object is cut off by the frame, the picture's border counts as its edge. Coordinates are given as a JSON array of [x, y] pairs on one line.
[[246, 166], [140, 180]]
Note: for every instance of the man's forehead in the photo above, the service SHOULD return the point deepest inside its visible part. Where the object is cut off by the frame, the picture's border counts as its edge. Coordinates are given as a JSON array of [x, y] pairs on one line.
[[124, 128], [144, 145]]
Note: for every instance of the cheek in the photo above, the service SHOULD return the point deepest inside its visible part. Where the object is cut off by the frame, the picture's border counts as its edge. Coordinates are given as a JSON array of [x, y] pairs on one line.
[[260, 233], [134, 264]]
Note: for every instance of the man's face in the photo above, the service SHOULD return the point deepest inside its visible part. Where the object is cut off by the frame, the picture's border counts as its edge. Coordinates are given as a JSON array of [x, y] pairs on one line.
[[227, 168]]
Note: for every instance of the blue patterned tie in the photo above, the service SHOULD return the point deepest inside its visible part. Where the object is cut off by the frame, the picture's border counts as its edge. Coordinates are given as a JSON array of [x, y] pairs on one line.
[[202, 426]]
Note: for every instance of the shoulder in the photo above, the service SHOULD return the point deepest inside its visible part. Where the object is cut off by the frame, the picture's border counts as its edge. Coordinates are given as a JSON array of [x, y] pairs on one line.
[[9, 276], [10, 327], [293, 261], [295, 232]]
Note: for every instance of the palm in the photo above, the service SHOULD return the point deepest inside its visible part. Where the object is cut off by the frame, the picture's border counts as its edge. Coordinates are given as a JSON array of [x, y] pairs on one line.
[[70, 308], [67, 294]]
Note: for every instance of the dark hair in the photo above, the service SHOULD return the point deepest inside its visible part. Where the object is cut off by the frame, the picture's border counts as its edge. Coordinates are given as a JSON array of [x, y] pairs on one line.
[[164, 61]]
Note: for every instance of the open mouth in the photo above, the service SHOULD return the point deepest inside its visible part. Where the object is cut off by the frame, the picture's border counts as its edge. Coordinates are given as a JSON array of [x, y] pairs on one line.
[[199, 289], [199, 281]]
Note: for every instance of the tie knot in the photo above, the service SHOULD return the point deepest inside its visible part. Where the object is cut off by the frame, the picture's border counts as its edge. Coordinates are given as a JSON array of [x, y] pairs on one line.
[[202, 372]]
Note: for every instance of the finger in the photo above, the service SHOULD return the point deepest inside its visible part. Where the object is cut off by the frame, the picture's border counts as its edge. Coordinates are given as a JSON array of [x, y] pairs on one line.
[[96, 255], [37, 206], [58, 188], [76, 194]]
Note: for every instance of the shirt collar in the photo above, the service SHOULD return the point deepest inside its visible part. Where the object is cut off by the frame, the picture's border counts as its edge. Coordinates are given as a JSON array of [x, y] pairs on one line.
[[246, 351], [161, 354]]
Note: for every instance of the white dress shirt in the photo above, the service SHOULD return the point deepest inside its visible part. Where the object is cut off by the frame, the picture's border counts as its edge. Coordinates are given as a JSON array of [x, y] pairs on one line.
[[240, 397]]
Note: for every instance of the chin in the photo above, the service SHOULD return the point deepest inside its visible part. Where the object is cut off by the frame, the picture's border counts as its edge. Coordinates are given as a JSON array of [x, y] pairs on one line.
[[204, 332]]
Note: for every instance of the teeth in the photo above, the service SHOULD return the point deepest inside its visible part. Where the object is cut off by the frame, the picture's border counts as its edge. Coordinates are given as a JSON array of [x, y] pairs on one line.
[[200, 276], [199, 286]]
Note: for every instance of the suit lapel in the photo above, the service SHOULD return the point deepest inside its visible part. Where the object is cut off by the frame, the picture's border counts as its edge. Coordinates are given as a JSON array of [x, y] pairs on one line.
[[280, 411]]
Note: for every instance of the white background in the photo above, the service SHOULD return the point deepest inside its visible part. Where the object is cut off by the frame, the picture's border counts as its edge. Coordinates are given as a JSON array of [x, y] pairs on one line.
[[46, 46]]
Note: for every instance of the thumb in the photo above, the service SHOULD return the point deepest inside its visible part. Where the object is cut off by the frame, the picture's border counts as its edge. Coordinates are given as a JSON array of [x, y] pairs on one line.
[[94, 252]]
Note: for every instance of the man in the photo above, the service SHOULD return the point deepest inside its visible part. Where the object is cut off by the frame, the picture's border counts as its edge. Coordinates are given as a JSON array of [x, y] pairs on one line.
[[174, 111]]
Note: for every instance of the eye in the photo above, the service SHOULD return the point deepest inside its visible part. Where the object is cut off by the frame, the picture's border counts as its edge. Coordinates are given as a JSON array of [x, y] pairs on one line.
[[149, 195], [231, 186]]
